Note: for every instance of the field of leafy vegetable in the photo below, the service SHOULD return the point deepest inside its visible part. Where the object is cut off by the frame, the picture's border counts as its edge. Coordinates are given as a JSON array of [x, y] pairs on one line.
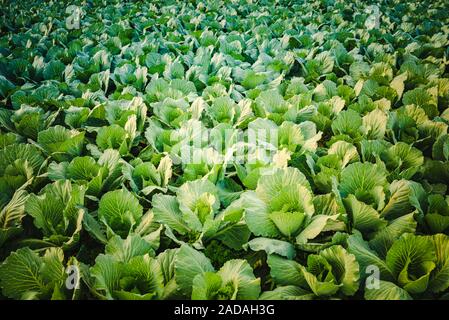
[[323, 173]]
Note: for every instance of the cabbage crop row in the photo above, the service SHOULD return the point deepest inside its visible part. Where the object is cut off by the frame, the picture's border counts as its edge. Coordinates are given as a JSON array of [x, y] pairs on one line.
[[224, 150]]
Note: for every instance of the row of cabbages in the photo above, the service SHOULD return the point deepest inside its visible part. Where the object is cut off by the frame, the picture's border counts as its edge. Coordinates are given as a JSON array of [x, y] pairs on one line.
[[224, 150]]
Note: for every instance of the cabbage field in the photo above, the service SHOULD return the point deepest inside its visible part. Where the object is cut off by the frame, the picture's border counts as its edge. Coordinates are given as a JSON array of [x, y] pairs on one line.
[[215, 150]]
